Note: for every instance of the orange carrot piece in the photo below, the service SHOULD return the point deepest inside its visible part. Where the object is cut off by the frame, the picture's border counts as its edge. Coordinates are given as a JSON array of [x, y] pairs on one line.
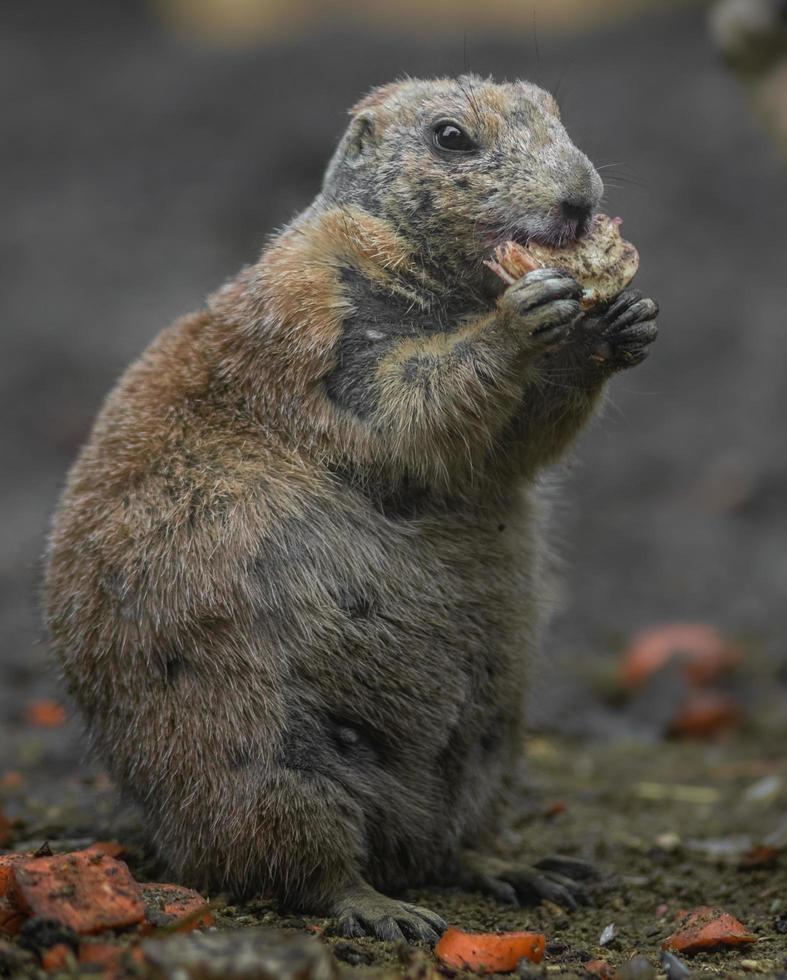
[[55, 958], [600, 968], [45, 713], [88, 892], [706, 928], [701, 649], [179, 902], [11, 918], [12, 779], [706, 713], [7, 862], [489, 952], [760, 856]]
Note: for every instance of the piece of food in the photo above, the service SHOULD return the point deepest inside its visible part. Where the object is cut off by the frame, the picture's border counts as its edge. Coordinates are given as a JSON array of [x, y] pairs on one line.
[[706, 928], [11, 919], [11, 916], [489, 952], [706, 713], [7, 862], [600, 968], [603, 262], [46, 713], [701, 650], [174, 905], [87, 892], [55, 959], [11, 780], [760, 856]]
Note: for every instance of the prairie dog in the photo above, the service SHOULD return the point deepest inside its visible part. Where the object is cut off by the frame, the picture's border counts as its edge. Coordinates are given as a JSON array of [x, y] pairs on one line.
[[295, 578]]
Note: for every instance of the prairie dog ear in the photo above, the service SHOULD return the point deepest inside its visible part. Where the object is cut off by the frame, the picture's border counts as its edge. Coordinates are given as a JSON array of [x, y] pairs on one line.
[[359, 138], [354, 148]]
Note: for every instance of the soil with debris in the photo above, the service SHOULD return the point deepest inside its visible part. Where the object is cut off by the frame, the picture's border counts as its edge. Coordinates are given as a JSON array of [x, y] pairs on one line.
[[669, 826]]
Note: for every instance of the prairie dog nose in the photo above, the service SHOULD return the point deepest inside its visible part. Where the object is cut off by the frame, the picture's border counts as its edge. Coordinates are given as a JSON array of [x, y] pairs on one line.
[[577, 213]]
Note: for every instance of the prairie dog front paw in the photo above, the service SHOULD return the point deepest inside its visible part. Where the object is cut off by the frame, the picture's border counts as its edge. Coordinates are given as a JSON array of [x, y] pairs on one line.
[[543, 305], [622, 335]]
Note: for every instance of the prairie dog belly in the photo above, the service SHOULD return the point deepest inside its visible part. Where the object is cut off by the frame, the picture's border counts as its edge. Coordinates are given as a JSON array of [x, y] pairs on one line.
[[413, 698]]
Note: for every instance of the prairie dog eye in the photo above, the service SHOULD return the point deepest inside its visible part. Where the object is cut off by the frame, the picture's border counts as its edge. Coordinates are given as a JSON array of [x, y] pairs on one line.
[[450, 136]]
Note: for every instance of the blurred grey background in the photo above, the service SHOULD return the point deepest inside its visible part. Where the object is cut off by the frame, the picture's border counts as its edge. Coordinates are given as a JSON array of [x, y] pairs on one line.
[[148, 150]]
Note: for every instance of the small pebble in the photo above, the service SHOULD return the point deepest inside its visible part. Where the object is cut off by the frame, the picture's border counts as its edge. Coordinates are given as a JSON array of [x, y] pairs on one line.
[[764, 790], [607, 935], [675, 968]]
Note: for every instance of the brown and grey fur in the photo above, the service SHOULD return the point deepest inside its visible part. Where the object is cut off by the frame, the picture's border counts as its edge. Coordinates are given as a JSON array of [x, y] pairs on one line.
[[295, 579]]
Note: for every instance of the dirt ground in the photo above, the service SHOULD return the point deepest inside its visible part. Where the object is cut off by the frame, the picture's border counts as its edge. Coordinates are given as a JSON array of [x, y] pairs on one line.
[[140, 170], [669, 826]]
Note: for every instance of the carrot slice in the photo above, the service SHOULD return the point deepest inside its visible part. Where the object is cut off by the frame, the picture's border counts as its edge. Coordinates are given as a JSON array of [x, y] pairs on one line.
[[11, 919], [11, 916], [600, 968], [705, 713], [489, 952], [55, 959], [180, 904], [88, 892], [7, 862], [46, 713], [701, 650], [705, 928], [12, 779]]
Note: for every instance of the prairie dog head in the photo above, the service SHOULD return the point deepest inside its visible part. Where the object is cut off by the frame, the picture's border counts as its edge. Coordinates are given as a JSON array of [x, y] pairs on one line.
[[459, 165]]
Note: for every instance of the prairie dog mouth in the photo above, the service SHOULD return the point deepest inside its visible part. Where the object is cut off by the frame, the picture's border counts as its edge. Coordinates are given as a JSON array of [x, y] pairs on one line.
[[603, 261], [550, 232]]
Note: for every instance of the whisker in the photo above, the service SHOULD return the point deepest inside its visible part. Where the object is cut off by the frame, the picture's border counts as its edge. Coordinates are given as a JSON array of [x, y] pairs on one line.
[[620, 175]]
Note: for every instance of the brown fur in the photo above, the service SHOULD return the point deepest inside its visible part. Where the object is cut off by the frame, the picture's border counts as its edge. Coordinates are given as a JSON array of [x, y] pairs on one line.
[[296, 575]]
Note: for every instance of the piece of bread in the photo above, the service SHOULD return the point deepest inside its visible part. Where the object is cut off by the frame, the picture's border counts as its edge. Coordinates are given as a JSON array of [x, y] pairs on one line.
[[603, 262]]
